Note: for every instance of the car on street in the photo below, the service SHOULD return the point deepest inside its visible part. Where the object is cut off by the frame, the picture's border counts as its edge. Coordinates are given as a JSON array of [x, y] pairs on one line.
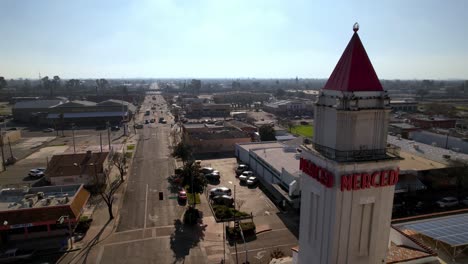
[[146, 122], [252, 181], [115, 128], [152, 120], [182, 195], [226, 200], [220, 191], [36, 173], [245, 175], [48, 130], [447, 202], [241, 168], [139, 126]]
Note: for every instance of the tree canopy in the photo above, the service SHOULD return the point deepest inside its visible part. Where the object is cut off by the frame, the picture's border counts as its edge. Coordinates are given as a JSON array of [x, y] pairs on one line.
[[267, 133], [182, 151]]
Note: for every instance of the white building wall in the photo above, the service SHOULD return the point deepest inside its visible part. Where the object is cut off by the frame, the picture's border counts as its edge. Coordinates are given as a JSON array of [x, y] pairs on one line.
[[344, 226]]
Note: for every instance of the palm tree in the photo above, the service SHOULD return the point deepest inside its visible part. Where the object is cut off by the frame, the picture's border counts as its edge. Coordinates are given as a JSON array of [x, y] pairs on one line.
[[191, 177], [183, 152], [55, 85]]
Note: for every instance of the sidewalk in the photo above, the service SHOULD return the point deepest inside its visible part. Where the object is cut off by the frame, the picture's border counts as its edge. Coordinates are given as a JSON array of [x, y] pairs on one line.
[[101, 228]]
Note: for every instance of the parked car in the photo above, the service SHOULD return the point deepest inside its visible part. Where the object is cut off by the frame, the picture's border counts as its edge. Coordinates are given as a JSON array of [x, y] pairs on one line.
[[115, 128], [182, 195], [422, 207], [36, 173], [206, 170], [47, 130], [139, 126], [220, 191], [252, 181], [146, 122], [152, 120], [226, 200], [245, 175], [447, 202], [241, 168], [16, 255], [213, 176], [465, 201]]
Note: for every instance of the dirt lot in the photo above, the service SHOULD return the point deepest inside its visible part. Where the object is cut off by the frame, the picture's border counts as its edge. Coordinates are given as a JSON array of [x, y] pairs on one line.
[[247, 199]]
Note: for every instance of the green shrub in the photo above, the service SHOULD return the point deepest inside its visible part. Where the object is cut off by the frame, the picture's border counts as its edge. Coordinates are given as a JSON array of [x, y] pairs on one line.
[[224, 212], [248, 229], [191, 216], [190, 198], [130, 147], [128, 155]]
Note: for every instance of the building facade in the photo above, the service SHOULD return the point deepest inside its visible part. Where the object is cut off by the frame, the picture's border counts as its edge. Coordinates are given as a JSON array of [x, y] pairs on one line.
[[33, 212], [80, 168], [348, 174]]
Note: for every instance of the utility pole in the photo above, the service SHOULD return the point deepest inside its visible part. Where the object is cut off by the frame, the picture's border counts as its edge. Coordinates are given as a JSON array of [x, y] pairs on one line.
[[108, 135], [11, 151], [100, 141], [1, 147]]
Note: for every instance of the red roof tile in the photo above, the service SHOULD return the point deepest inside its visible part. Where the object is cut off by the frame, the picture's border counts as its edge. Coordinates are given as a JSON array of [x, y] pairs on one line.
[[354, 71]]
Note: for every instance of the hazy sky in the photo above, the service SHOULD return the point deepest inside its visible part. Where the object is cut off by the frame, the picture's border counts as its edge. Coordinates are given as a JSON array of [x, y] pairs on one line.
[[405, 39]]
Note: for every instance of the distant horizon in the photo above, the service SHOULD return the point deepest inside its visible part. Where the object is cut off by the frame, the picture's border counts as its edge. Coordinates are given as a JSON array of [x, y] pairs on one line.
[[216, 78], [406, 40]]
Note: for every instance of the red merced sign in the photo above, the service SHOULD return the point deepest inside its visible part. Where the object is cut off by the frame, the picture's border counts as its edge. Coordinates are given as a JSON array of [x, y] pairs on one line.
[[355, 181]]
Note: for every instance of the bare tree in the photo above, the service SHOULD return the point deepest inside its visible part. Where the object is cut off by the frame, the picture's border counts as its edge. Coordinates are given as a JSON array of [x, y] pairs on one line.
[[120, 162], [107, 192]]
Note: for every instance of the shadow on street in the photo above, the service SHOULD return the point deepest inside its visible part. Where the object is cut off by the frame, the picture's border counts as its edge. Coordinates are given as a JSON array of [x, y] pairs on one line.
[[186, 237]]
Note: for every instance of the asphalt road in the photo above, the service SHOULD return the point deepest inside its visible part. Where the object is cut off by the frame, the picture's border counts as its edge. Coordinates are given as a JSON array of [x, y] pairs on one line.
[[151, 167]]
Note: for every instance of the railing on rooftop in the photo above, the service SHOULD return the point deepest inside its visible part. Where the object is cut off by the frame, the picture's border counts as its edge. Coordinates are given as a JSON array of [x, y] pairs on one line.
[[389, 152]]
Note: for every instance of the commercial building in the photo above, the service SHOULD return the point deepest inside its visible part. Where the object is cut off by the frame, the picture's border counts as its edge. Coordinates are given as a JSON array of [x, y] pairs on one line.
[[276, 165], [289, 107], [433, 122], [212, 139], [80, 168], [54, 112], [404, 106], [25, 111], [197, 110], [33, 212]]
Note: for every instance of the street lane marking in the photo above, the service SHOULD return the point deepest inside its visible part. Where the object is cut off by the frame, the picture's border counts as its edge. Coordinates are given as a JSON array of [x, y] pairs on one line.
[[146, 205], [260, 254]]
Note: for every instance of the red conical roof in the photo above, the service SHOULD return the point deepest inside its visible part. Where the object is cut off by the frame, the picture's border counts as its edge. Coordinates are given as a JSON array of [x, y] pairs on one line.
[[354, 71]]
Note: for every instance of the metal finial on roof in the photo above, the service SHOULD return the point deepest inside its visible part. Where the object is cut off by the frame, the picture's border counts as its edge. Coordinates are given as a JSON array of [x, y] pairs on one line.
[[356, 27]]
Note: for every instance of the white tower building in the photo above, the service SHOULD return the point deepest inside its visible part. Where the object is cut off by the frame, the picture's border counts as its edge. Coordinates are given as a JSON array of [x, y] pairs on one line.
[[348, 172]]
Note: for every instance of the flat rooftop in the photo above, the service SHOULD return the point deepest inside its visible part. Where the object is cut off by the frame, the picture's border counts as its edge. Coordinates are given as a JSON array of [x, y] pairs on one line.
[[260, 145], [417, 163], [24, 198], [278, 158], [426, 151]]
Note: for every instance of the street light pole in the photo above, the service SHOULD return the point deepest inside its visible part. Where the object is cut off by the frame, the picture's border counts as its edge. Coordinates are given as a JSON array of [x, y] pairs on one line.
[[73, 135]]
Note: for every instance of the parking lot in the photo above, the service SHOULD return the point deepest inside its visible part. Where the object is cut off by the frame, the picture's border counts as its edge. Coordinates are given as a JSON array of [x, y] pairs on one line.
[[248, 199], [276, 230], [35, 148]]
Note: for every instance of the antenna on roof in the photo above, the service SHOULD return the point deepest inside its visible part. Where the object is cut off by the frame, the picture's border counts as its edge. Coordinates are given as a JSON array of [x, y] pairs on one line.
[[356, 27]]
